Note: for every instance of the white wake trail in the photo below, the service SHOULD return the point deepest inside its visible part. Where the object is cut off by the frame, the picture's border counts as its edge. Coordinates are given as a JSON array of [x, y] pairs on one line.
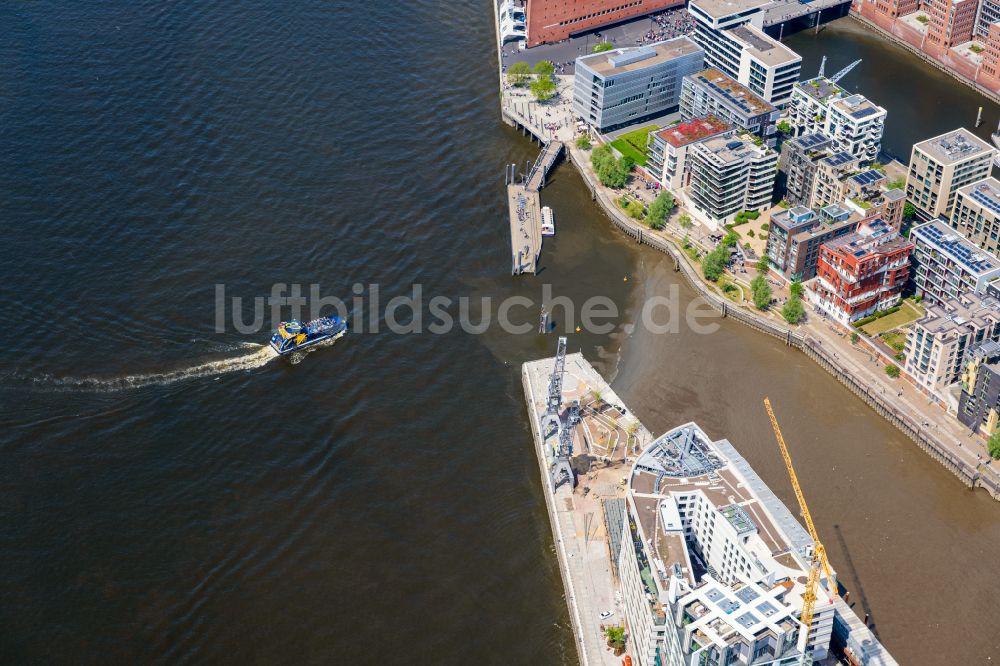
[[261, 355]]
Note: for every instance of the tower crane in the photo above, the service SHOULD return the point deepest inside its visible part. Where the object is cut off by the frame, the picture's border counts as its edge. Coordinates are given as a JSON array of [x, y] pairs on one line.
[[819, 563]]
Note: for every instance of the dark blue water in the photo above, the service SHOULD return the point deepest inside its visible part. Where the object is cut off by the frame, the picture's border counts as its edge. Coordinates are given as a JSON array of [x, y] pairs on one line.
[[171, 494]]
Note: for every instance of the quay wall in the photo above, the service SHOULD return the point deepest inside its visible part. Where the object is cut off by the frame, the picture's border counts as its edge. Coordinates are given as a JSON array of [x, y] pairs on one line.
[[972, 477]]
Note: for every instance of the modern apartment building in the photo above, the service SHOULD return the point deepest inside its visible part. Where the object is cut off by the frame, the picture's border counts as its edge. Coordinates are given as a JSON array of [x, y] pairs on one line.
[[861, 273], [976, 213], [828, 183], [856, 126], [809, 102], [712, 565], [866, 193], [742, 51], [627, 85], [668, 149], [853, 122], [712, 93], [947, 265], [979, 404], [729, 175], [936, 344], [799, 161], [795, 236], [555, 20], [940, 166]]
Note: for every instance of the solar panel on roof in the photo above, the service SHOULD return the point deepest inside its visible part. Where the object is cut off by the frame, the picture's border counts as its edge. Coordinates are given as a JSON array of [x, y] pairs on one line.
[[838, 159], [864, 113], [867, 177]]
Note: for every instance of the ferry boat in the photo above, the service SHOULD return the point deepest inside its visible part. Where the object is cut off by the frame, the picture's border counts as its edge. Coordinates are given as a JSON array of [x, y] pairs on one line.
[[548, 222], [294, 335]]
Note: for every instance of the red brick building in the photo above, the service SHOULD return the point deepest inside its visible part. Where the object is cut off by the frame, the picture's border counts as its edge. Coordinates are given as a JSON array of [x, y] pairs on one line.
[[555, 20], [989, 73], [861, 273], [951, 23]]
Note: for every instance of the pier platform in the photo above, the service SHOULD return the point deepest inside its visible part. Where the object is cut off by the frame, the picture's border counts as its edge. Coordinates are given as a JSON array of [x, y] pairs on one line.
[[525, 228], [579, 516]]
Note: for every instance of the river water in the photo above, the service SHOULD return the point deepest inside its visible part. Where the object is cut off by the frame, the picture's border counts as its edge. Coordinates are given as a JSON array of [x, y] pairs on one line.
[[173, 494]]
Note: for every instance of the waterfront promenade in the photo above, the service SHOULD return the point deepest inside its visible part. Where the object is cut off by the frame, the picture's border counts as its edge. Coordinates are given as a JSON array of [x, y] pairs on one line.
[[576, 516], [934, 430]]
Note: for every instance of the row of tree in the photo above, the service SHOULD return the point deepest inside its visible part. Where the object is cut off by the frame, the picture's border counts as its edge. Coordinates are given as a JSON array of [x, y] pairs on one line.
[[537, 78], [611, 171]]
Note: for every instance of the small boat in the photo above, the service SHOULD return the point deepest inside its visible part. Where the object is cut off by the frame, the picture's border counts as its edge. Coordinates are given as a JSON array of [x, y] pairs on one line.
[[548, 222], [293, 335]]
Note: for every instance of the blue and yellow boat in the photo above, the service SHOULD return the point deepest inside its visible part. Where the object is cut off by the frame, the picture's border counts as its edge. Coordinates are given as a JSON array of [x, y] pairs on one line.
[[294, 336]]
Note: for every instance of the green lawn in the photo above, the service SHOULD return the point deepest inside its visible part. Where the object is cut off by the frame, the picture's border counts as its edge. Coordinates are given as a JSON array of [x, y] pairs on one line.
[[634, 143], [895, 339], [907, 313]]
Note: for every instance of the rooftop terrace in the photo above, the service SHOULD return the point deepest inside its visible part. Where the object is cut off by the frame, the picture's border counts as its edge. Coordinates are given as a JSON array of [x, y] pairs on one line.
[[954, 146], [985, 193], [693, 130], [733, 92], [630, 59], [820, 88], [857, 107], [769, 51], [938, 235]]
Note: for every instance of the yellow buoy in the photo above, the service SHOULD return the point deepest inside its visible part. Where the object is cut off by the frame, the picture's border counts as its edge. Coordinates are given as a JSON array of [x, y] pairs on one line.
[[625, 279], [577, 329]]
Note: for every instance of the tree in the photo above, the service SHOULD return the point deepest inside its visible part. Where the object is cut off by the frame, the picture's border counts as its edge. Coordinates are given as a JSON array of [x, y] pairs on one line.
[[543, 89], [635, 210], [855, 337], [796, 289], [518, 74], [732, 239], [762, 265], [659, 209], [784, 127], [685, 221], [761, 291], [892, 370], [601, 47], [993, 445], [714, 263], [793, 311], [616, 639], [544, 69], [583, 142], [610, 171], [909, 210]]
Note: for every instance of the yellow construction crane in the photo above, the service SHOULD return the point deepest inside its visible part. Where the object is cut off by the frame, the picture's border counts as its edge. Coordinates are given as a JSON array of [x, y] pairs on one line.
[[819, 562]]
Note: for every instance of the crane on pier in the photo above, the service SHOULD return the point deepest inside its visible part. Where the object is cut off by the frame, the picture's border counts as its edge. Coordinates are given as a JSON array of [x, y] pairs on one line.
[[819, 564]]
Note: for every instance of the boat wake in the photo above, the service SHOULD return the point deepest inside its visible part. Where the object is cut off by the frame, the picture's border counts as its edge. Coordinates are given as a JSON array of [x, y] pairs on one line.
[[260, 356]]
